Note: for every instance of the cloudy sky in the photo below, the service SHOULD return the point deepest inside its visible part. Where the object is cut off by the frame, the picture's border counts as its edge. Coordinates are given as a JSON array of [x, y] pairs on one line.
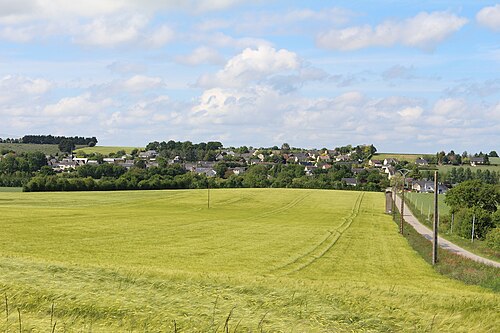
[[407, 76]]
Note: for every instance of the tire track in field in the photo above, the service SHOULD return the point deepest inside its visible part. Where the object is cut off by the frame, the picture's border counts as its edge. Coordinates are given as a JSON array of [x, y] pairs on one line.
[[324, 246], [275, 211]]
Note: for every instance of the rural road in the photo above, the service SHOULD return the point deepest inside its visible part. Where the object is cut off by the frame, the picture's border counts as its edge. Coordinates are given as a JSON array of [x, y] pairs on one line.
[[443, 243]]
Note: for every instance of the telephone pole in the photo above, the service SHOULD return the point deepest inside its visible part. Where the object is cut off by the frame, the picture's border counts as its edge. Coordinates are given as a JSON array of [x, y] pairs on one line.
[[436, 219], [403, 172]]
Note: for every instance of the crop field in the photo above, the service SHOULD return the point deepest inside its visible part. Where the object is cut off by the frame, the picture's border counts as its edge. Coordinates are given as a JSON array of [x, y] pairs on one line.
[[28, 148], [400, 157], [424, 202], [447, 168], [11, 189], [106, 150], [257, 260]]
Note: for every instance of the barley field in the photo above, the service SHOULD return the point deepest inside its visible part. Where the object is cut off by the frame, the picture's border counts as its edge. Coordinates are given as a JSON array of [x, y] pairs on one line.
[[256, 260]]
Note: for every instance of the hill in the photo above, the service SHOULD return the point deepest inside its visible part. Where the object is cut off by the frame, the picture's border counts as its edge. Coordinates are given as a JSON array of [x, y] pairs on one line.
[[105, 150], [31, 147], [257, 260]]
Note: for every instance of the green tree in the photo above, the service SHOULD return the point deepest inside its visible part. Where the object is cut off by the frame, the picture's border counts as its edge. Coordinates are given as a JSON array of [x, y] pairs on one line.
[[66, 145]]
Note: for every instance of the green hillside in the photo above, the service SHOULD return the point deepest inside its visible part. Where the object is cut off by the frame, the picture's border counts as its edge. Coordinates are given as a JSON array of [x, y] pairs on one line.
[[259, 260]]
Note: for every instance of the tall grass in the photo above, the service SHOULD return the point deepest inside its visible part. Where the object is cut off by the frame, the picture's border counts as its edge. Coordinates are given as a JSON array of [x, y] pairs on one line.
[[160, 261]]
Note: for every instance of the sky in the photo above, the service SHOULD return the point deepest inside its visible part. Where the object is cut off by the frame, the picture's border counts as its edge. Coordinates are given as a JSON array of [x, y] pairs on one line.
[[407, 76]]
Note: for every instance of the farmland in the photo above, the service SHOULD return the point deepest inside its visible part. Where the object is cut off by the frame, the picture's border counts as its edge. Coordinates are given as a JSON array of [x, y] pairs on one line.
[[398, 156], [271, 260], [105, 150], [28, 148]]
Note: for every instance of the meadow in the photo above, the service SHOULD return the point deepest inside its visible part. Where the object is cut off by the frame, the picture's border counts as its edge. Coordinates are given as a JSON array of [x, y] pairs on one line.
[[105, 150], [398, 156], [257, 260], [29, 148]]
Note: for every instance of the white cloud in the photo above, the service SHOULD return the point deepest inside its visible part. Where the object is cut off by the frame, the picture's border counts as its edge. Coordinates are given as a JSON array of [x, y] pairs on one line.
[[201, 55], [411, 113], [425, 31], [140, 83], [111, 31], [252, 65], [450, 107], [490, 17], [20, 88], [160, 36], [83, 106]]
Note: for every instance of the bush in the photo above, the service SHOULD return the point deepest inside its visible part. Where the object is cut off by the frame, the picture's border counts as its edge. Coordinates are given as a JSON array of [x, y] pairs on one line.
[[493, 239]]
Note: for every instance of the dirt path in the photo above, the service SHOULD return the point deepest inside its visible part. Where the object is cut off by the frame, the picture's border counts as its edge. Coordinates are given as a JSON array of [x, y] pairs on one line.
[[443, 243]]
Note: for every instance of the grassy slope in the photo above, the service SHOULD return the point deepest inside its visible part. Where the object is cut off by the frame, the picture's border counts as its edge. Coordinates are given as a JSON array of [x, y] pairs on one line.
[[398, 156], [425, 203], [139, 260], [106, 150], [27, 148]]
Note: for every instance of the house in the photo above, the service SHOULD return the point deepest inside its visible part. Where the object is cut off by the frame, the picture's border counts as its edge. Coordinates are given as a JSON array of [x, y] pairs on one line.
[[326, 166], [375, 163], [357, 170], [390, 161], [148, 154], [309, 169], [389, 170], [424, 186], [209, 172], [80, 160], [474, 161], [421, 162], [324, 159], [350, 181], [237, 171]]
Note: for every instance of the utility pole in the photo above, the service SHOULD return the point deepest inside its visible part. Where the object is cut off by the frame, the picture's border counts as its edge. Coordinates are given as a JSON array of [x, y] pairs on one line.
[[473, 223], [436, 217], [403, 172], [402, 207], [208, 194]]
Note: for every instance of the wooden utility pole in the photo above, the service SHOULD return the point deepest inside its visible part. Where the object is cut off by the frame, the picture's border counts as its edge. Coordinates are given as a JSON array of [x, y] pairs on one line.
[[402, 207], [208, 194], [473, 223], [436, 219]]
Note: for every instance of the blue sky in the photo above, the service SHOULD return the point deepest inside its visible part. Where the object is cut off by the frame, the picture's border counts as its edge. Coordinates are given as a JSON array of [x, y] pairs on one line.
[[407, 76]]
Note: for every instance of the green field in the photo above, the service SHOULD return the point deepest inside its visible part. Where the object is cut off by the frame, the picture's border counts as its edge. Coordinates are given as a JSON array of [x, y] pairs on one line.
[[259, 260], [11, 189], [494, 160], [447, 168], [28, 148], [424, 202], [398, 156], [106, 150]]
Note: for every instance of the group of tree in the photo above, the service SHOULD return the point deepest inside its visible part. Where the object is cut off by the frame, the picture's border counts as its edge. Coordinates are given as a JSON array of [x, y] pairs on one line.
[[475, 202], [186, 150], [174, 176], [55, 140], [17, 169], [459, 159]]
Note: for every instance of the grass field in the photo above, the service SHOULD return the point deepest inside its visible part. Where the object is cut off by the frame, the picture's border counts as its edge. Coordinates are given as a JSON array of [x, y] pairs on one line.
[[259, 260], [400, 157], [106, 150], [495, 160], [424, 202], [11, 189], [447, 168], [28, 147]]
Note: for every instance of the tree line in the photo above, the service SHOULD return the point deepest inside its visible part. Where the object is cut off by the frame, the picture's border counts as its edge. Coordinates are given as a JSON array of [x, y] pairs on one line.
[[114, 177], [475, 202]]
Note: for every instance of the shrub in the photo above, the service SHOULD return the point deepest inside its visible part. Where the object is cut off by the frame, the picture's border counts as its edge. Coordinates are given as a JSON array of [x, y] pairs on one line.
[[493, 239]]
